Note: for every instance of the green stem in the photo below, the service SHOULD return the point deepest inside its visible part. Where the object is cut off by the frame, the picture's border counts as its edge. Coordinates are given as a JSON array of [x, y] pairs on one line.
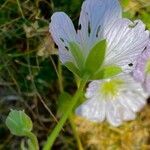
[[20, 9], [75, 133], [57, 129], [60, 79], [33, 140]]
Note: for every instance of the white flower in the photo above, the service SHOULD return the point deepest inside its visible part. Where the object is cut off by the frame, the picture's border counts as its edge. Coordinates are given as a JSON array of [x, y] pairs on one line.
[[100, 19], [116, 100]]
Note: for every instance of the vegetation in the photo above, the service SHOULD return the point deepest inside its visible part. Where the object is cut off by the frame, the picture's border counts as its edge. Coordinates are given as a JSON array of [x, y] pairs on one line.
[[32, 79]]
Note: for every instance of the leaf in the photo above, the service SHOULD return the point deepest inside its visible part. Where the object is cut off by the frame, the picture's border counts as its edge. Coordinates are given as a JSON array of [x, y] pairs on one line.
[[125, 3], [95, 57], [107, 72], [73, 68], [18, 123], [77, 54], [63, 103]]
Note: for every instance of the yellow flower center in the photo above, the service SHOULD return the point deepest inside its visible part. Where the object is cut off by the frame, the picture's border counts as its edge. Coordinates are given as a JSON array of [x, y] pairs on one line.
[[147, 66], [110, 88]]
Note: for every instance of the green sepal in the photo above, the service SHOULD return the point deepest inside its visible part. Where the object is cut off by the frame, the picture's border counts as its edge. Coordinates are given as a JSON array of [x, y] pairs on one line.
[[77, 54], [107, 72], [96, 57], [71, 66]]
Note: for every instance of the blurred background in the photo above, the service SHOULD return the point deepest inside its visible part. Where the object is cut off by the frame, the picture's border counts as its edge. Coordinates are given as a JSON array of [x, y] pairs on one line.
[[29, 71]]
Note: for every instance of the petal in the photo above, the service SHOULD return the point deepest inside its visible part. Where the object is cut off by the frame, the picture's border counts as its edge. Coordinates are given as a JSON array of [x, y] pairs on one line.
[[128, 114], [133, 101], [96, 16], [93, 109], [92, 89], [114, 113], [63, 32], [65, 55], [147, 83], [141, 97], [131, 84], [126, 40], [139, 72]]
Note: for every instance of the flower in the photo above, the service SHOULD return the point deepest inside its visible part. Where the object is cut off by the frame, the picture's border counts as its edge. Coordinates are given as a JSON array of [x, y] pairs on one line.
[[142, 69], [116, 100], [100, 19]]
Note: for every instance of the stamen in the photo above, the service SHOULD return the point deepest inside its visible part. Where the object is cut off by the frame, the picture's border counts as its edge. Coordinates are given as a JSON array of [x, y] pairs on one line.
[[110, 88]]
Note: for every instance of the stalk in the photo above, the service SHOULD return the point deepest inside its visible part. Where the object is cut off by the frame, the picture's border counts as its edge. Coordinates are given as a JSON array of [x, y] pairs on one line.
[[52, 137]]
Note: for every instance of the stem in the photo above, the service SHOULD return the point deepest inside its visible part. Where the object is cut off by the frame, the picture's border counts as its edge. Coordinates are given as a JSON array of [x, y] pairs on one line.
[[60, 79], [33, 140], [75, 133], [20, 9], [57, 129]]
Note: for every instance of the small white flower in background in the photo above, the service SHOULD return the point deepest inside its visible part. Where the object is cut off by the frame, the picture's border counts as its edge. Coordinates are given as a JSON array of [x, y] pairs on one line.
[[115, 100], [100, 19], [142, 70]]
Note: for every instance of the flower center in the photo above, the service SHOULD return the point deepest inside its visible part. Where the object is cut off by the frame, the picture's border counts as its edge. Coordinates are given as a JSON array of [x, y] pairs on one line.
[[110, 88], [147, 66]]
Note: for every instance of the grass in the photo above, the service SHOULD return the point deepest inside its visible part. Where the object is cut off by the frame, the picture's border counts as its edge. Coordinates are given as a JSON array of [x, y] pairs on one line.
[[31, 77]]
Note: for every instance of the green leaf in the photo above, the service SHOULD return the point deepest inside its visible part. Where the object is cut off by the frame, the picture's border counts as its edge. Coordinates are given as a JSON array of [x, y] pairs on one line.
[[77, 54], [125, 3], [107, 72], [63, 103], [18, 123], [95, 57], [73, 68]]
